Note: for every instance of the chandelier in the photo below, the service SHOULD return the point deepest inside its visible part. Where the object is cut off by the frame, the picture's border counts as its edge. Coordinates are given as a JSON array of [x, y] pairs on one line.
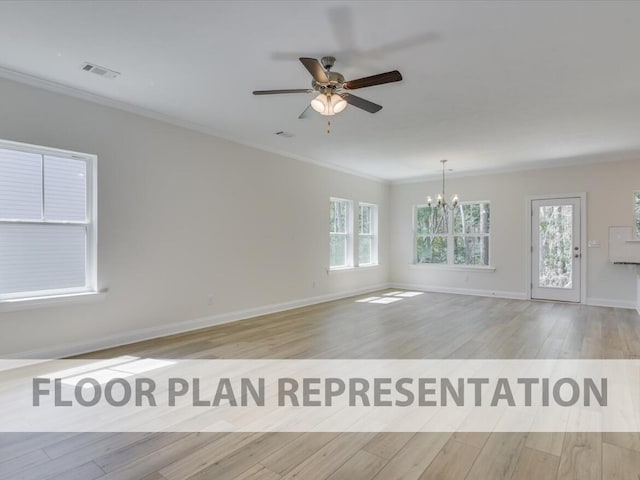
[[441, 200]]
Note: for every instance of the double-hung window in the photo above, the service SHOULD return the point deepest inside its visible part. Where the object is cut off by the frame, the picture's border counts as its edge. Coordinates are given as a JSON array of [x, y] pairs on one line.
[[636, 213], [455, 236], [431, 234], [471, 234], [340, 236], [47, 222], [367, 234]]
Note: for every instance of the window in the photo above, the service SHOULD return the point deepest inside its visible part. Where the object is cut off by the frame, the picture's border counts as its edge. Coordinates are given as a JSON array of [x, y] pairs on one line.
[[340, 238], [47, 222], [432, 235], [368, 234], [459, 236], [471, 234], [636, 212]]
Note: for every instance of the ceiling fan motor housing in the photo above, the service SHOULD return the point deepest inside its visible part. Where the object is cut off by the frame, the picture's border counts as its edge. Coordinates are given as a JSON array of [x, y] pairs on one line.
[[336, 80], [330, 86]]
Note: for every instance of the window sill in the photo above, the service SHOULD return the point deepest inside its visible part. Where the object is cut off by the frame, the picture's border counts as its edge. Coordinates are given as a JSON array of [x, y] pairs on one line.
[[14, 304], [454, 268], [360, 268]]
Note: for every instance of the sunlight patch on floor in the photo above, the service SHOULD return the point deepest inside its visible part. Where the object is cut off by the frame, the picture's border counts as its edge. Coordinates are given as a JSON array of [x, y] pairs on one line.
[[386, 300], [390, 297], [102, 371]]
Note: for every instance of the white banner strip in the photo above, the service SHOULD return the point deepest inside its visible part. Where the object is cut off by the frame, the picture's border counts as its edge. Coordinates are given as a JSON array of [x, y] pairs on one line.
[[131, 394]]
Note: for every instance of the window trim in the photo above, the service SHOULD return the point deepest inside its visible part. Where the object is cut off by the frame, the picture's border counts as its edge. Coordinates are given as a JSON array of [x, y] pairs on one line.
[[635, 228], [454, 267], [450, 236], [349, 257], [91, 262], [373, 235], [17, 304]]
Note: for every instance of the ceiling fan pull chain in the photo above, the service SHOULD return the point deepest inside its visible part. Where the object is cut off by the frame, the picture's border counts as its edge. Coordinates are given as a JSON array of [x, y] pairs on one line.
[[328, 127]]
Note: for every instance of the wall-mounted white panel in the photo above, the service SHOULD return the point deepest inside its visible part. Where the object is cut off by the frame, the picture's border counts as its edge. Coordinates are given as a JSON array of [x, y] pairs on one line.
[[622, 247]]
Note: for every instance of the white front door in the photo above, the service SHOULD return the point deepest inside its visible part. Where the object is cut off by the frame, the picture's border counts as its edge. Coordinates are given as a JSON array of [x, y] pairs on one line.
[[556, 255]]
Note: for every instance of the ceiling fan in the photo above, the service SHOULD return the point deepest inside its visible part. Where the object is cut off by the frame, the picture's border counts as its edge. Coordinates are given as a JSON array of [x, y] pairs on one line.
[[333, 95]]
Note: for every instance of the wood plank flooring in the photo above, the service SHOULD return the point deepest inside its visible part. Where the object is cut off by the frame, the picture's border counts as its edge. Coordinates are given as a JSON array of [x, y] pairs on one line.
[[424, 326]]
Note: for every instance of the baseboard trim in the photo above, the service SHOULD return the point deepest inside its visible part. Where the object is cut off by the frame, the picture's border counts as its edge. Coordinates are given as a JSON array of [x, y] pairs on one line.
[[592, 301], [608, 302], [461, 291], [71, 349]]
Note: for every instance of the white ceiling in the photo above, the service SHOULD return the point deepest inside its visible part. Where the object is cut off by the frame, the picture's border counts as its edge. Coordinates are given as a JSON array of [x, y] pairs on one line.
[[488, 85]]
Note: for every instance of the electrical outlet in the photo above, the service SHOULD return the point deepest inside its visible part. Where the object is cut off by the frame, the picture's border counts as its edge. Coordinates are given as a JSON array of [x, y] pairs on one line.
[[594, 244], [211, 299]]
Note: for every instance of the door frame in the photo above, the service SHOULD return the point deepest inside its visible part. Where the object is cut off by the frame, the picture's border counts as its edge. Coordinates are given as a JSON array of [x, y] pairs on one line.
[[583, 238]]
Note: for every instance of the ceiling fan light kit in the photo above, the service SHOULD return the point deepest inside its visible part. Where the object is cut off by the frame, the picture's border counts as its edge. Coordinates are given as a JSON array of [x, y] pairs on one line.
[[331, 87], [326, 104]]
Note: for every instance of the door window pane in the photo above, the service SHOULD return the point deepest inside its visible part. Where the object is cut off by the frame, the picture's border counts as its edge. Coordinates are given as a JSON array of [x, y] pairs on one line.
[[555, 246]]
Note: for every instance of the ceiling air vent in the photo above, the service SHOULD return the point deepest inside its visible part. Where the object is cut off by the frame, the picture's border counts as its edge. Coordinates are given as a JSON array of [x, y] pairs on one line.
[[284, 134], [100, 71]]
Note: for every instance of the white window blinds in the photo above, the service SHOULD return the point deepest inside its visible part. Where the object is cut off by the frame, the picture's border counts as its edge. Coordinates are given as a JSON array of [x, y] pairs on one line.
[[20, 185], [44, 224], [65, 189], [37, 257]]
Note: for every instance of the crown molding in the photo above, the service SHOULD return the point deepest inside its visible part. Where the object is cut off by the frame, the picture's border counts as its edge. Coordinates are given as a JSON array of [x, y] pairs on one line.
[[603, 157], [62, 89]]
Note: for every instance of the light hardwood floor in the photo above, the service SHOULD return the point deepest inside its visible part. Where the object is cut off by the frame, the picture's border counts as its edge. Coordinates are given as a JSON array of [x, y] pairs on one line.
[[426, 326]]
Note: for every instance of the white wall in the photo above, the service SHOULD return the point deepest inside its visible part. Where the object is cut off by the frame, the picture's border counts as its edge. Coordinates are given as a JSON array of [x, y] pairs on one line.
[[609, 188], [183, 215]]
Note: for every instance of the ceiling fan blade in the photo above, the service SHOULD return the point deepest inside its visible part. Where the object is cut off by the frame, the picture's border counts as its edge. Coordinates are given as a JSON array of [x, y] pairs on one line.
[[380, 79], [361, 103], [315, 69], [275, 92], [306, 113]]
